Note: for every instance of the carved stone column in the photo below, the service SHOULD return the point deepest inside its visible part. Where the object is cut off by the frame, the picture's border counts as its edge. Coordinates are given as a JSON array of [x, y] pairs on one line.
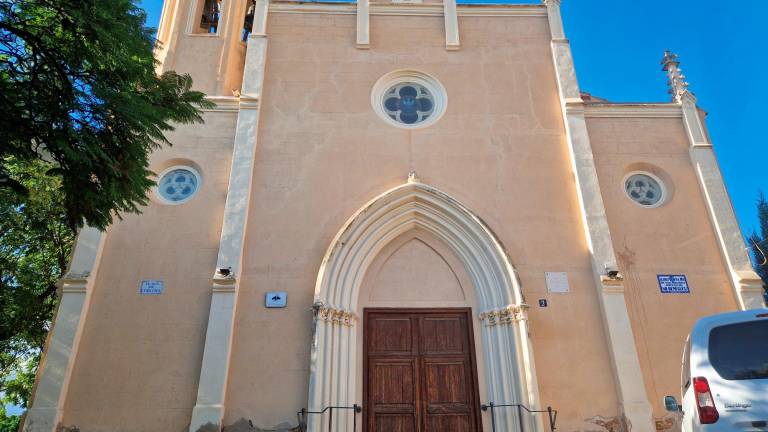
[[335, 332], [505, 339]]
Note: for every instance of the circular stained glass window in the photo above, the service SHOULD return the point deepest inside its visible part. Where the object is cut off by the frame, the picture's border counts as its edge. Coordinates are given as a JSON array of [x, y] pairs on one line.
[[408, 103], [409, 99], [644, 189], [178, 184]]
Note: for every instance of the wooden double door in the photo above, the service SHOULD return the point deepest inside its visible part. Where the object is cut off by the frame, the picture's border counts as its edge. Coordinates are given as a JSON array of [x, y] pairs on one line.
[[420, 372]]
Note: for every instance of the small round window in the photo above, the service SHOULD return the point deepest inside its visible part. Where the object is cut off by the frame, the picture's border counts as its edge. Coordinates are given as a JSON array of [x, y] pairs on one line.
[[645, 189], [178, 184], [409, 99], [409, 103]]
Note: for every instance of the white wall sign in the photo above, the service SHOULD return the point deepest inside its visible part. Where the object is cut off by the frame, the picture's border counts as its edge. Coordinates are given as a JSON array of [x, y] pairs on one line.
[[151, 287], [557, 282], [673, 284], [276, 299]]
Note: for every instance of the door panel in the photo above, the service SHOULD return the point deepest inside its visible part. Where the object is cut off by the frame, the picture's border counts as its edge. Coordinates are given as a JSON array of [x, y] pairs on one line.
[[452, 423], [395, 423], [443, 335], [445, 382], [447, 398], [391, 336], [420, 372], [393, 385]]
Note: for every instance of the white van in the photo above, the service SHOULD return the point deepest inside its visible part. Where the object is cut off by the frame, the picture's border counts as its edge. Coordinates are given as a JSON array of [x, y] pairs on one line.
[[725, 374]]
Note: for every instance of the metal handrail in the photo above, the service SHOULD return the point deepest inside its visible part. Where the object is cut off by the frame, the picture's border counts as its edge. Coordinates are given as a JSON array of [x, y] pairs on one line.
[[492, 406], [302, 415]]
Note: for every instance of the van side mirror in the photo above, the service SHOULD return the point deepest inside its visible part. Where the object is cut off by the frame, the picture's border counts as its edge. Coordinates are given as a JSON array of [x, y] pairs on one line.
[[670, 403]]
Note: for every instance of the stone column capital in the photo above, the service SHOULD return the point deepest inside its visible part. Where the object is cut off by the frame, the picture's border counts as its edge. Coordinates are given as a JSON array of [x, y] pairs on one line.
[[336, 316], [505, 316], [612, 285], [751, 289], [70, 284]]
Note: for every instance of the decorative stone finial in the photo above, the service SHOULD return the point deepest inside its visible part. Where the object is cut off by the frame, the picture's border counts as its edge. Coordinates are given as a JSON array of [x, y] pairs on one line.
[[413, 177], [677, 85]]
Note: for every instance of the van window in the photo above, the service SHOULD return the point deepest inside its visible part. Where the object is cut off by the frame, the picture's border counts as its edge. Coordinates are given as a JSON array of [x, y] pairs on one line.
[[740, 351]]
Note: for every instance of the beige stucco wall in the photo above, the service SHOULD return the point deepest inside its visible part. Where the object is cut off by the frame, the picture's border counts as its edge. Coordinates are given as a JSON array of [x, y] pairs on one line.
[[676, 238], [418, 270], [323, 153], [139, 358]]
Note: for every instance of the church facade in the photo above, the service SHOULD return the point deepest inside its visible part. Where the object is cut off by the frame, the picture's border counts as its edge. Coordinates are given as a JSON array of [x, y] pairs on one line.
[[408, 215]]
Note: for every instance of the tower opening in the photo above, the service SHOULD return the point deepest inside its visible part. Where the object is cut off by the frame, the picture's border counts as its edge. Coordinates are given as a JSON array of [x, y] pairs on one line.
[[209, 16]]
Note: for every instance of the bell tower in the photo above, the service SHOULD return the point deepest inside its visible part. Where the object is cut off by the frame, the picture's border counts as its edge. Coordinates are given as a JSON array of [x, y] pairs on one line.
[[206, 39]]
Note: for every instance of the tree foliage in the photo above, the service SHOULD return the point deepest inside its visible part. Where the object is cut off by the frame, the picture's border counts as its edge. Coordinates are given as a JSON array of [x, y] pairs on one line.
[[758, 241], [35, 244], [78, 88], [81, 108], [8, 423]]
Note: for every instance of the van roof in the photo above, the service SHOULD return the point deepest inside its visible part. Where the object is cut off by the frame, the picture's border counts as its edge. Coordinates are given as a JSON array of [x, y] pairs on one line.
[[709, 322]]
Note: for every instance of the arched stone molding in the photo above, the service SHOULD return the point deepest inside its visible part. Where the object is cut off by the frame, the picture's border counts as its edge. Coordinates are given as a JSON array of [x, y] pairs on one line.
[[509, 365]]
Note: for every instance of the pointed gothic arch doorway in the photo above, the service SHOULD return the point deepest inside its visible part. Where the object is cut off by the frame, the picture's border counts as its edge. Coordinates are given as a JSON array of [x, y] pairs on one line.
[[503, 346]]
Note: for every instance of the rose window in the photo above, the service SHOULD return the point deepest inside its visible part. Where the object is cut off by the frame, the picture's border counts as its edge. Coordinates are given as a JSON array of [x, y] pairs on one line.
[[644, 190], [178, 185], [408, 103]]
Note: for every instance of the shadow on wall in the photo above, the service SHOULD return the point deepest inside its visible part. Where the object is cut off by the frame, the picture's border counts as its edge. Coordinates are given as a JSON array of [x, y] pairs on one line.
[[669, 423], [241, 425], [244, 425], [672, 422], [612, 424]]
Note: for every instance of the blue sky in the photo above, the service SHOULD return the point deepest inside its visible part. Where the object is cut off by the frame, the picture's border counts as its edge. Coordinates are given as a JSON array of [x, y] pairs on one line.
[[617, 46]]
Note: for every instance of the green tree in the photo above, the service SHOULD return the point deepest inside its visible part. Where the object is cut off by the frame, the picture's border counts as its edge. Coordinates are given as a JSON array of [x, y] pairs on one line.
[[35, 243], [81, 108], [78, 88], [8, 423], [759, 242]]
